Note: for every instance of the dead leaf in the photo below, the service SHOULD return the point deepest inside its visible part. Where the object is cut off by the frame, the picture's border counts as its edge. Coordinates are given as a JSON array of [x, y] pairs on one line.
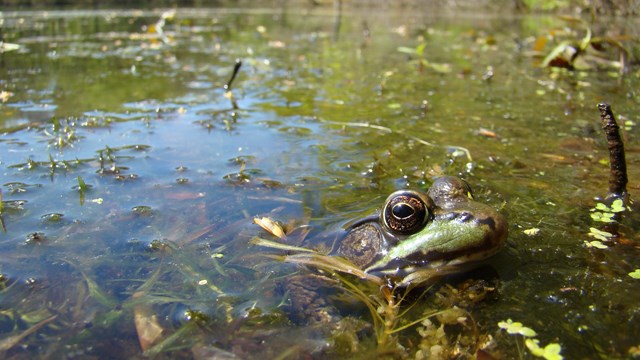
[[541, 42], [147, 326], [271, 226], [487, 133]]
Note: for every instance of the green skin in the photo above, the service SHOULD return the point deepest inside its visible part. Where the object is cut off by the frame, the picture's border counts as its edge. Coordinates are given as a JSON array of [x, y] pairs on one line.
[[456, 232], [416, 239]]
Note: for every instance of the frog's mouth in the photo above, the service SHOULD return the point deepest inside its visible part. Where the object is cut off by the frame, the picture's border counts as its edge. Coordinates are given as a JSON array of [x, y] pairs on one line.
[[440, 264], [445, 246]]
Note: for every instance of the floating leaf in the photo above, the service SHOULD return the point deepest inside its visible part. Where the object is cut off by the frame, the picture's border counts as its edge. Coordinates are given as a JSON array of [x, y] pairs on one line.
[[549, 352], [617, 206], [532, 231], [599, 234], [635, 274], [605, 217], [516, 328], [596, 244]]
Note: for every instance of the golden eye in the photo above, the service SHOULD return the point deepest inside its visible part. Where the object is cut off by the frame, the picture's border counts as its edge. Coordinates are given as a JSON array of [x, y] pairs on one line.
[[405, 212]]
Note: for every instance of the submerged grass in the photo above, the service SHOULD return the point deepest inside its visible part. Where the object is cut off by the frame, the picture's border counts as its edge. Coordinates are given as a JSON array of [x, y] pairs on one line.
[[94, 290], [387, 302]]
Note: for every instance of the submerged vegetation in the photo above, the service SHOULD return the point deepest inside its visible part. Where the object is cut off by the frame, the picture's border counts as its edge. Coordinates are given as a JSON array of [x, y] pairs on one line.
[[390, 307], [141, 148]]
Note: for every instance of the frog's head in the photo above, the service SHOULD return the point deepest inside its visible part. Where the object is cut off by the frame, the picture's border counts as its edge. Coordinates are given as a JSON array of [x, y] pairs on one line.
[[439, 232]]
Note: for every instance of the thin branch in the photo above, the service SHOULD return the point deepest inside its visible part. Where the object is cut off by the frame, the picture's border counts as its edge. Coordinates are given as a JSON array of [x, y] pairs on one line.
[[617, 163], [236, 69]]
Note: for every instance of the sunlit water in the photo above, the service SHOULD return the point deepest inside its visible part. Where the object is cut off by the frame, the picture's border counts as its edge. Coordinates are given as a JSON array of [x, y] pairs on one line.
[[130, 178]]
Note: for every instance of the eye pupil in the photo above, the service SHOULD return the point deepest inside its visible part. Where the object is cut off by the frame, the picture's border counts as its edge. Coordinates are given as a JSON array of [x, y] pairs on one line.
[[403, 210]]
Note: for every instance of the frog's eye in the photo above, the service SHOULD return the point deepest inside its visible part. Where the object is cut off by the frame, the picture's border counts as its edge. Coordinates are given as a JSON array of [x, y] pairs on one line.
[[405, 212]]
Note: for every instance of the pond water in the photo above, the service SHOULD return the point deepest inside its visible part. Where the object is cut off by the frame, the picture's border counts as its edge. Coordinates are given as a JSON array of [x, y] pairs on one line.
[[130, 177]]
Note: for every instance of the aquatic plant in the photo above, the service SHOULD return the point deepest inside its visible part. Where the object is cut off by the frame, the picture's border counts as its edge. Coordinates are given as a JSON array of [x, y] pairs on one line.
[[549, 352], [600, 236], [573, 52], [386, 301], [606, 214], [419, 52], [610, 211]]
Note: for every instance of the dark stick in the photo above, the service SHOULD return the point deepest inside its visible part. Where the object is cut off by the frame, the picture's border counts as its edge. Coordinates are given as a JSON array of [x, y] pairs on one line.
[[617, 163], [4, 227], [236, 68]]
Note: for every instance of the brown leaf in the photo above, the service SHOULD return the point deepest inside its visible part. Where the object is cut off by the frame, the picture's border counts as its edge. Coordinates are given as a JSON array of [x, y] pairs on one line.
[[147, 326], [487, 133], [541, 42], [271, 226]]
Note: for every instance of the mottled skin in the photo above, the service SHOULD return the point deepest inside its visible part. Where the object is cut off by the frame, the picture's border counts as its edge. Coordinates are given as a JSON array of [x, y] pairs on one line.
[[454, 230], [416, 237]]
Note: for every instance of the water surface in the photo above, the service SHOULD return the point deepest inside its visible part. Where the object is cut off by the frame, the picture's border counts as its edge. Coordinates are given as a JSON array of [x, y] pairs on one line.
[[130, 178]]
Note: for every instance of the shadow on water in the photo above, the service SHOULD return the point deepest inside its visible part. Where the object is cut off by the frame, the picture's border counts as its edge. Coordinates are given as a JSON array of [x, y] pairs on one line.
[[131, 178]]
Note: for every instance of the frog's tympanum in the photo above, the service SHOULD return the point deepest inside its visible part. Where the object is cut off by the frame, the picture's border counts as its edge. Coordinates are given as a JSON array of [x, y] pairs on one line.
[[444, 230], [415, 238]]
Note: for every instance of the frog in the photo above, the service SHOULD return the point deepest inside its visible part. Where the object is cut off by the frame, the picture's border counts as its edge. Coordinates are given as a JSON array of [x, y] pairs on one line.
[[416, 238], [440, 232]]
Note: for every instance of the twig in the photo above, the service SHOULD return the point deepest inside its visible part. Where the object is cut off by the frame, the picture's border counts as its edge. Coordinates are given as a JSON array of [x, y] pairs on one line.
[[617, 163], [236, 68], [2, 225]]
